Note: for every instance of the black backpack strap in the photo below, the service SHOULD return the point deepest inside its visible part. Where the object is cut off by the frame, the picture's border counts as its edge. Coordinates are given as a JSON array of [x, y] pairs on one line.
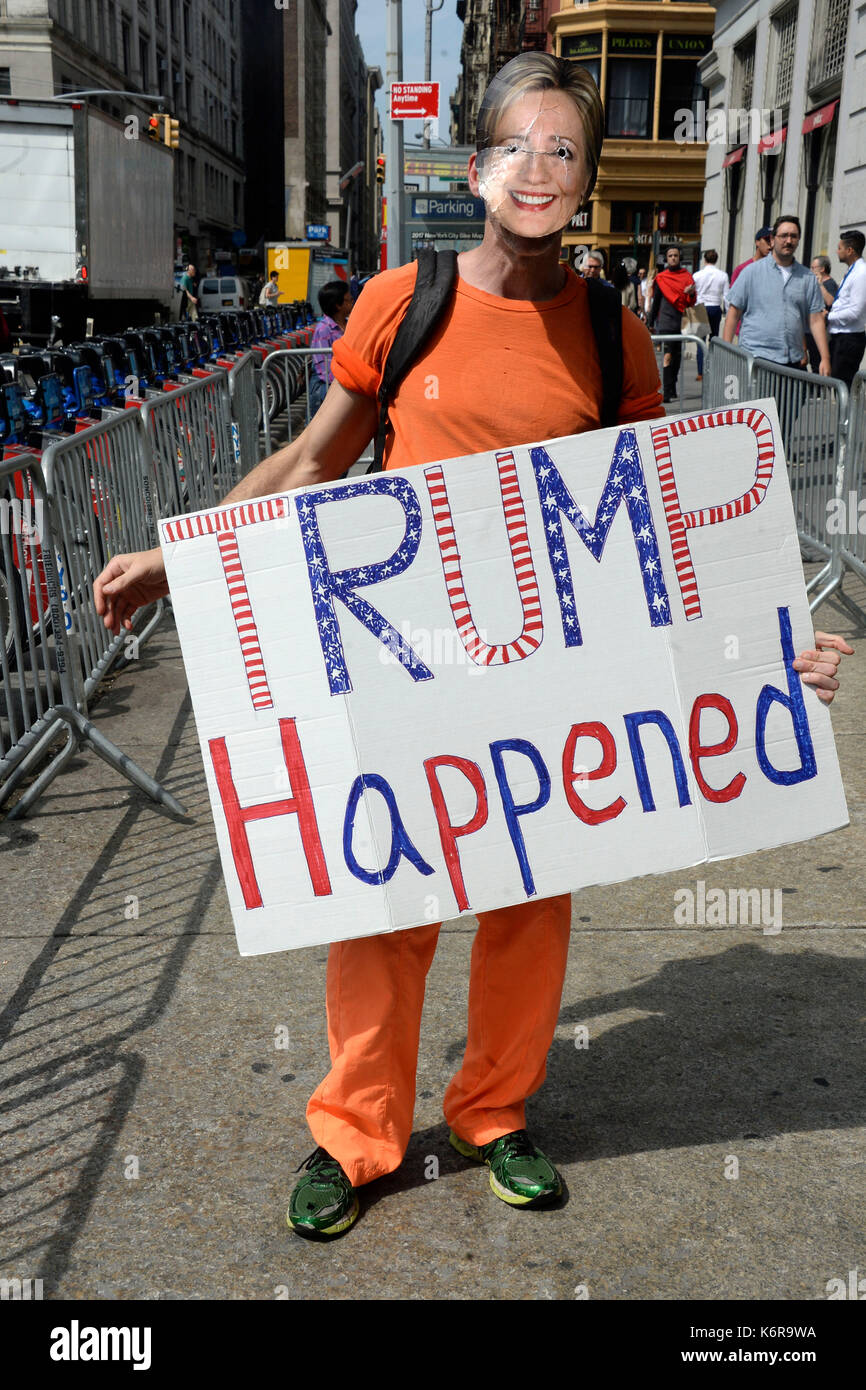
[[437, 272], [605, 314]]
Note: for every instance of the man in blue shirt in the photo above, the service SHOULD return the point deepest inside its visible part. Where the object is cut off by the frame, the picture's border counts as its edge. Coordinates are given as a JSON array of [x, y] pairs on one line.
[[778, 300]]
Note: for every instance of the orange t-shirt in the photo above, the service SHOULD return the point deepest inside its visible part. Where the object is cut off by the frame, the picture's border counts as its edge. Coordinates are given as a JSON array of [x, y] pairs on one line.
[[495, 372]]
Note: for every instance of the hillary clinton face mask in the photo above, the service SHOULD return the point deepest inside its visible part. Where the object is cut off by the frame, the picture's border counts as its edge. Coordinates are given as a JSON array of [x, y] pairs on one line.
[[534, 177]]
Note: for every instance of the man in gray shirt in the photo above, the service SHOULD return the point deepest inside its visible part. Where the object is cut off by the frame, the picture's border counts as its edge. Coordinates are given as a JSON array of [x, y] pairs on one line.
[[778, 300]]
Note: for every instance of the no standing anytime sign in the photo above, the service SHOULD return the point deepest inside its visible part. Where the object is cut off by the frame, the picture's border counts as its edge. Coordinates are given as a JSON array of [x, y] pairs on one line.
[[411, 101]]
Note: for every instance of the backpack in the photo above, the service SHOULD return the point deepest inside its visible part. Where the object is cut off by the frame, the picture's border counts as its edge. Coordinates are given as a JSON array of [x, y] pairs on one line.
[[437, 273]]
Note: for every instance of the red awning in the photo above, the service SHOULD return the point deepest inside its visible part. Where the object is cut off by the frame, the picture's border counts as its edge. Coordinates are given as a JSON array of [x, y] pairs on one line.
[[774, 141], [821, 117], [734, 157]]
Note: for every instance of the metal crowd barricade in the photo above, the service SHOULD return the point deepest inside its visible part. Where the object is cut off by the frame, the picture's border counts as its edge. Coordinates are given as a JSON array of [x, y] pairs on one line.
[[661, 339], [813, 414], [100, 489], [40, 694], [245, 411], [727, 375], [285, 381], [188, 431], [850, 551]]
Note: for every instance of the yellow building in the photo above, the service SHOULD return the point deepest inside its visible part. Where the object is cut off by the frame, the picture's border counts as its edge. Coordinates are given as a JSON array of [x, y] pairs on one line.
[[644, 58]]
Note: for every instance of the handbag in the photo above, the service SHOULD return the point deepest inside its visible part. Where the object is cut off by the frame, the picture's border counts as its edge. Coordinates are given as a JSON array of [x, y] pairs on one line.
[[696, 321]]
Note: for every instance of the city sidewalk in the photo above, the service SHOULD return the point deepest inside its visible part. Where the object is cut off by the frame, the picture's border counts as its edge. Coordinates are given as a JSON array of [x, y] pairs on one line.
[[151, 1127]]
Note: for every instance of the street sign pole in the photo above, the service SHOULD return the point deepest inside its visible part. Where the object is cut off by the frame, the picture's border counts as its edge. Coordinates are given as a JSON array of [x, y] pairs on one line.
[[394, 137]]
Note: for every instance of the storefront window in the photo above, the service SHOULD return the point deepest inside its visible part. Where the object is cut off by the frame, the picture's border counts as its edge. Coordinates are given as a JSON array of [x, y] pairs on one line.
[[631, 217]]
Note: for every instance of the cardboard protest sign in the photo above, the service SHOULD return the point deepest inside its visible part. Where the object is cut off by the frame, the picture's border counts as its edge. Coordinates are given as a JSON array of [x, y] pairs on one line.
[[501, 677]]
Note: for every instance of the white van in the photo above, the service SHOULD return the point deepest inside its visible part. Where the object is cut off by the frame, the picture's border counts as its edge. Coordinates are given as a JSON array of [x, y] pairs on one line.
[[225, 292]]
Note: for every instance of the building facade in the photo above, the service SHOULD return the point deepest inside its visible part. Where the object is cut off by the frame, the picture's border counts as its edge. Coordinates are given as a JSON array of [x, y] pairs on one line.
[[330, 127], [793, 73], [353, 138], [534, 32], [645, 61], [186, 52]]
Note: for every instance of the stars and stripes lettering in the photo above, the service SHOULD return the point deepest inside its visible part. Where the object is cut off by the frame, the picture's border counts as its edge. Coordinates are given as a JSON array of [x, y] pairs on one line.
[[680, 522], [625, 483], [481, 652], [326, 584], [224, 523]]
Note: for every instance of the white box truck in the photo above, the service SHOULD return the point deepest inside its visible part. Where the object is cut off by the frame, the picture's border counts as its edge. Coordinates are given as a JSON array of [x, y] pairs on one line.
[[86, 217]]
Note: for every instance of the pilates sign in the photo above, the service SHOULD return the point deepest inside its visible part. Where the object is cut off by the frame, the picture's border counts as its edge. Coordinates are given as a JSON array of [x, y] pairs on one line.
[[502, 677]]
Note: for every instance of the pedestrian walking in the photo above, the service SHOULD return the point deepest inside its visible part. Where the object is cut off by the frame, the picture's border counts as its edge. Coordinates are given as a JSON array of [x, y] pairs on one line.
[[649, 285], [775, 301], [846, 321], [621, 281], [712, 285], [189, 295], [673, 293], [516, 314], [270, 292], [335, 302], [820, 268]]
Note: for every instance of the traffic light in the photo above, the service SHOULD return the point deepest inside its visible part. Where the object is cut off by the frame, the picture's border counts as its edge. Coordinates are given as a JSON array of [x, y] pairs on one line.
[[172, 132], [153, 127], [380, 168]]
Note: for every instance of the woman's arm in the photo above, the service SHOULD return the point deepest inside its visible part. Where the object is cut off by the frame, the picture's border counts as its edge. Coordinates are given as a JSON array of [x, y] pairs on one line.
[[336, 436]]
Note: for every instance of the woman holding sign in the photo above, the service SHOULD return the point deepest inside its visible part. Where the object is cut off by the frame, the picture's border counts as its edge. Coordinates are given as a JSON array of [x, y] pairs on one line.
[[512, 360]]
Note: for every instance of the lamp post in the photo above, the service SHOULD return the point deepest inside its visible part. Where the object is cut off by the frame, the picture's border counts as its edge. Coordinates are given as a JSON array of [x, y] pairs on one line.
[[394, 135], [431, 9]]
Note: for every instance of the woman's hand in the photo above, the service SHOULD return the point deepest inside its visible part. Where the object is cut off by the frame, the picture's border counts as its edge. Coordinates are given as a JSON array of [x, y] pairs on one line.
[[127, 583], [818, 668]]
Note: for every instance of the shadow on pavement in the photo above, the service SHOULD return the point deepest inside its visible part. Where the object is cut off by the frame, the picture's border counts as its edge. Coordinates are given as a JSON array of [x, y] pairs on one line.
[[106, 973], [750, 1042]]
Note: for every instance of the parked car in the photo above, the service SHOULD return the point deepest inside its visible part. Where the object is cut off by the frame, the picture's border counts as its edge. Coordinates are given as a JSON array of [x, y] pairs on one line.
[[225, 292]]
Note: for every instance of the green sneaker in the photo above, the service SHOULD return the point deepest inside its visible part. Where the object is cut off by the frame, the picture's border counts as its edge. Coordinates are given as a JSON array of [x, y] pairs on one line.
[[519, 1173], [324, 1202]]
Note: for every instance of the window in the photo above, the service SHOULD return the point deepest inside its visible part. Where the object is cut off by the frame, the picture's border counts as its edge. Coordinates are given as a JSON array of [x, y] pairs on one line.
[[188, 97], [681, 91], [744, 73], [211, 286], [829, 41], [782, 49], [111, 32], [629, 106], [631, 217], [125, 43], [5, 82], [684, 218], [144, 59], [236, 201], [593, 67]]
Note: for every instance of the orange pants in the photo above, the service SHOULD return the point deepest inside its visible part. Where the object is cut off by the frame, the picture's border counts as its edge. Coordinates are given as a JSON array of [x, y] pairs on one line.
[[362, 1112]]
